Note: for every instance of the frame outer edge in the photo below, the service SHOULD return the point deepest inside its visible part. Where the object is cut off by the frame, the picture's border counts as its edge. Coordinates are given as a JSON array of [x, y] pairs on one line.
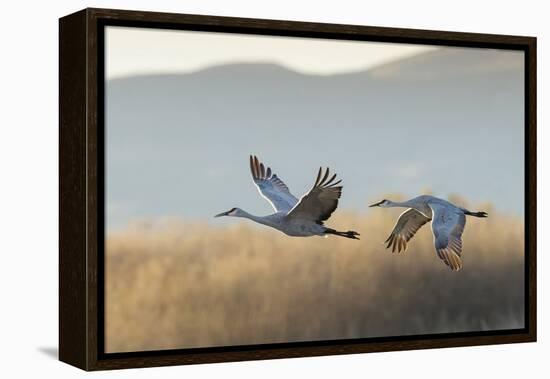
[[72, 181]]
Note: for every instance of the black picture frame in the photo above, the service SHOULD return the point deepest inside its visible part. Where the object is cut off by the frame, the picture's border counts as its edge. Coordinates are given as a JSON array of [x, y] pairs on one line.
[[81, 183]]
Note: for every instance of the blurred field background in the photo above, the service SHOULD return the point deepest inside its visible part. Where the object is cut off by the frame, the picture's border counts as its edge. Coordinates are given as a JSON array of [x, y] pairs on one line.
[[173, 283]]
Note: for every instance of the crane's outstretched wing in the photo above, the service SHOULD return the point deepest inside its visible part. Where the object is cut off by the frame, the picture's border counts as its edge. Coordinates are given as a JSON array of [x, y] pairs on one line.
[[448, 226], [271, 187], [319, 203], [405, 228]]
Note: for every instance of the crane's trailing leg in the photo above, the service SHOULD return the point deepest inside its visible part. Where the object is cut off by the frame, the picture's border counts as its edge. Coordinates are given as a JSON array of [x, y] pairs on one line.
[[476, 214], [349, 234]]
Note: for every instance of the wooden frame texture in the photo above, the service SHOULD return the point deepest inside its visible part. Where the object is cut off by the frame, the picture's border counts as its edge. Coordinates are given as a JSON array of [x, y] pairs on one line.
[[81, 160]]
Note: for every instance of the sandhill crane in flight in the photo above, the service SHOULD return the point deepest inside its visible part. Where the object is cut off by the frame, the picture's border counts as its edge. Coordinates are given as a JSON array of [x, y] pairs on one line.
[[298, 218], [448, 221]]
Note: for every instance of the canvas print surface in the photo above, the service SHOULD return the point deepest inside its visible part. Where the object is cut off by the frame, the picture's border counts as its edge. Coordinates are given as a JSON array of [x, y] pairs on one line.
[[423, 235]]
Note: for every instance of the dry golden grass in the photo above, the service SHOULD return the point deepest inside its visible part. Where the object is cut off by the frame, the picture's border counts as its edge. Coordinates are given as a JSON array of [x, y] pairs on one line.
[[176, 284]]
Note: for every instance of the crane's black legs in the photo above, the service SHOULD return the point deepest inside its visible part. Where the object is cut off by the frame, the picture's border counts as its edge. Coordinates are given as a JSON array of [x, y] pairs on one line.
[[476, 214], [349, 234]]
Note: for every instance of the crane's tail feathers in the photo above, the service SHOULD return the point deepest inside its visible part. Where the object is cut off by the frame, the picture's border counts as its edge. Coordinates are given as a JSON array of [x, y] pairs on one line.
[[349, 234], [476, 214]]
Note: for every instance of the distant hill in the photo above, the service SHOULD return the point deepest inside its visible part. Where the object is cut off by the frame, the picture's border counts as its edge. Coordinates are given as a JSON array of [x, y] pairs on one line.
[[450, 120]]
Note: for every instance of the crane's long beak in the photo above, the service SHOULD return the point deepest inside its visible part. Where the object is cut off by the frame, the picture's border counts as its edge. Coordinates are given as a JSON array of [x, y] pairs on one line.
[[376, 204], [222, 214]]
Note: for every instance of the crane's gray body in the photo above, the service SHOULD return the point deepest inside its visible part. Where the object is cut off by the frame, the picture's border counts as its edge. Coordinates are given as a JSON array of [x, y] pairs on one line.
[[425, 204], [290, 226]]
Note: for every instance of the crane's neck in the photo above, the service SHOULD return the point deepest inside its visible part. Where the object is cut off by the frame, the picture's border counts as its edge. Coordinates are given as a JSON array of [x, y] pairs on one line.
[[421, 207], [265, 220], [402, 204]]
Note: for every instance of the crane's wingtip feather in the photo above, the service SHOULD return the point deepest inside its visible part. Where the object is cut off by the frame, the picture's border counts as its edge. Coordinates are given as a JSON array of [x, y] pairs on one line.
[[324, 177], [318, 177]]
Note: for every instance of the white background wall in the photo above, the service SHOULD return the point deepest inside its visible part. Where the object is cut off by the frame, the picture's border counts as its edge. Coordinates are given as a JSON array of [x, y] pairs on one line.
[[28, 197]]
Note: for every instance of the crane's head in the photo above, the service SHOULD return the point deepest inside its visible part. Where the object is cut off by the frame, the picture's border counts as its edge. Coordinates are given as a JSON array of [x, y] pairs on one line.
[[384, 203], [235, 212]]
